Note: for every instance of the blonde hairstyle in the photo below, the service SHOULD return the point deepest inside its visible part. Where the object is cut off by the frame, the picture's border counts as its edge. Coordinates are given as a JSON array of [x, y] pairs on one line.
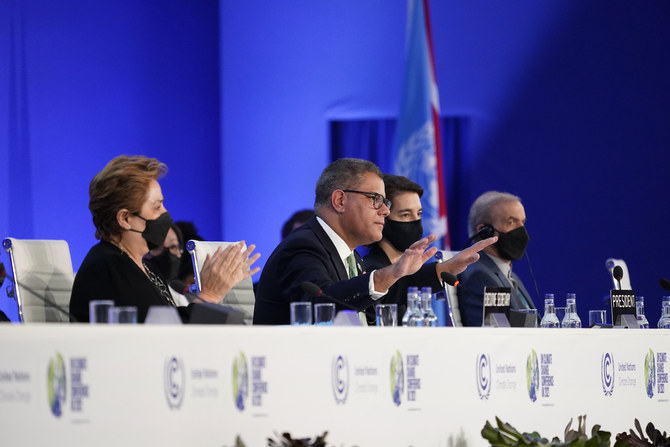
[[123, 183]]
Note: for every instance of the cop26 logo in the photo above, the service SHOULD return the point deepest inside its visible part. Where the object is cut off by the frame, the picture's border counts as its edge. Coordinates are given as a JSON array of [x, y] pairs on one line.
[[56, 385], [397, 376], [607, 373], [532, 375], [340, 378], [650, 373], [174, 381], [483, 372], [240, 379]]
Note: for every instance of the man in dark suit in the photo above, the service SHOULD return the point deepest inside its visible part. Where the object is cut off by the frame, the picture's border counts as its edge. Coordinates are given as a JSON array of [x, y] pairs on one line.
[[350, 207], [501, 214]]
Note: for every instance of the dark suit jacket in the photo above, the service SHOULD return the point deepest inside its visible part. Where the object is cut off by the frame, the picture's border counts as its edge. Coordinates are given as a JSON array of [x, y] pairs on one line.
[[108, 274], [485, 273], [397, 294], [307, 254]]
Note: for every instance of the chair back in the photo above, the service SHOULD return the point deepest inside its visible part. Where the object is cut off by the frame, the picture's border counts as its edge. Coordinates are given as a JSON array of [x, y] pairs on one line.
[[41, 269], [241, 297], [452, 293], [625, 280]]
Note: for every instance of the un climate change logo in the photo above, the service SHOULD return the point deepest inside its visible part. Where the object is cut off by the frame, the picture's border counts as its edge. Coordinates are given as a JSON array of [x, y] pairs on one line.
[[607, 373], [56, 384], [650, 373], [483, 369], [240, 381], [340, 378], [532, 375], [174, 381], [397, 378]]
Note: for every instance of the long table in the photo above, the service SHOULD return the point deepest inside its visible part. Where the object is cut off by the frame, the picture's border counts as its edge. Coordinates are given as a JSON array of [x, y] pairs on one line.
[[205, 385]]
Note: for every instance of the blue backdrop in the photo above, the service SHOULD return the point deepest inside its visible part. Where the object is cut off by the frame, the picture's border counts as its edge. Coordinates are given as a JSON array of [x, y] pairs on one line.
[[565, 103]]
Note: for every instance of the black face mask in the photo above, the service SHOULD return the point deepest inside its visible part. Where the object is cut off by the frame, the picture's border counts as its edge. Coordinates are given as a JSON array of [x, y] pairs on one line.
[[156, 230], [166, 264], [512, 245], [402, 234]]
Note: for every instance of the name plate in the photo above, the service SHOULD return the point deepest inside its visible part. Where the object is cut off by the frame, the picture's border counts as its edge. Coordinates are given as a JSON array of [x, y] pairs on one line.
[[623, 303], [496, 301]]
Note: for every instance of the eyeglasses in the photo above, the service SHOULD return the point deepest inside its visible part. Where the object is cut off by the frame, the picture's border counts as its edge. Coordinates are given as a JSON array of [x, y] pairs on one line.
[[377, 199]]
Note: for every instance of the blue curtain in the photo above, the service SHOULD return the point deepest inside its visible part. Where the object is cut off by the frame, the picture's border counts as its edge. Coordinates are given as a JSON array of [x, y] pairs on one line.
[[372, 139]]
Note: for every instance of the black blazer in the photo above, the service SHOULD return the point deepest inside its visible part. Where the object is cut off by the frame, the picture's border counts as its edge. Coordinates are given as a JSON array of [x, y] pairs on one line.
[[485, 273], [307, 254], [108, 274]]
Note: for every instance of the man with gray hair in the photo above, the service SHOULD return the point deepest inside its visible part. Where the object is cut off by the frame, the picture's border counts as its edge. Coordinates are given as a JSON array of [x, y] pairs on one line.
[[499, 214], [350, 207]]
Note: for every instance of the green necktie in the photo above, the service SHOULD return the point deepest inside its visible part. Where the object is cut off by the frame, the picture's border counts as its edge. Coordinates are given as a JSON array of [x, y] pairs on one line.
[[352, 270]]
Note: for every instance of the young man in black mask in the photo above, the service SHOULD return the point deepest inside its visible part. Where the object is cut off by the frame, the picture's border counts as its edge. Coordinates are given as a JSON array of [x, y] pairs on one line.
[[495, 214], [401, 229]]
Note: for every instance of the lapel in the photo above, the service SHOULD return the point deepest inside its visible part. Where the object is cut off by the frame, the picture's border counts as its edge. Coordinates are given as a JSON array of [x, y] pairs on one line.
[[328, 245]]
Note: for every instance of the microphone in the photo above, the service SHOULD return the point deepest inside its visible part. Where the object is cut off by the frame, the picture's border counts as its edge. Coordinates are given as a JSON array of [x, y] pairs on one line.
[[617, 273], [312, 289], [450, 279], [664, 283], [37, 295]]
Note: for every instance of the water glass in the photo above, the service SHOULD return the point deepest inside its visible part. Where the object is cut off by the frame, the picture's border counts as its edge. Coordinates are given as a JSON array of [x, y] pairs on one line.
[[301, 313], [387, 314], [532, 312], [98, 310], [122, 315], [324, 314], [597, 317]]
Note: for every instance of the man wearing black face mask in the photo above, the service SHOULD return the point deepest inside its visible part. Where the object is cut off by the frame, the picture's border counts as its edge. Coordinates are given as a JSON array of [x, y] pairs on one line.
[[401, 229], [501, 214]]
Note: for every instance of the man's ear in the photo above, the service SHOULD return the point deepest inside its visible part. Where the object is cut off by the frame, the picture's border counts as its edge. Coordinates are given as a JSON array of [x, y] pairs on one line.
[[122, 218], [337, 199]]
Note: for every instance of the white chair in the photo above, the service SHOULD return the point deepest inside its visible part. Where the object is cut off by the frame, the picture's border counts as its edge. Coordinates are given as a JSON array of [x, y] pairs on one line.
[[625, 280], [241, 297], [42, 276], [452, 293]]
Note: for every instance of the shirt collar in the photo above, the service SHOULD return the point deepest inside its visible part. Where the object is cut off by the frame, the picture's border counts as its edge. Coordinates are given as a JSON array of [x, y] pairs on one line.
[[342, 248]]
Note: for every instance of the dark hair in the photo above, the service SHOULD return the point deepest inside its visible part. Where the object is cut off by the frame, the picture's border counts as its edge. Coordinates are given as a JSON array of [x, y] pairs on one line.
[[397, 184], [123, 183], [345, 173], [299, 217]]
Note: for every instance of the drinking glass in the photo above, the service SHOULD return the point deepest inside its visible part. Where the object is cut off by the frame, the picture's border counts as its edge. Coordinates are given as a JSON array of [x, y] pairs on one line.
[[301, 313], [324, 314], [122, 315], [597, 317], [98, 310], [387, 314], [532, 312]]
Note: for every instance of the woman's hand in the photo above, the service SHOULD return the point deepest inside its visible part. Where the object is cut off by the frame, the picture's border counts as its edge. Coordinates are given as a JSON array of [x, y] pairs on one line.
[[224, 269]]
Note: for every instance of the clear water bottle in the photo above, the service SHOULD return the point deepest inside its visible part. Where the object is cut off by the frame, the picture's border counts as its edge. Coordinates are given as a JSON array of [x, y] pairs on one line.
[[664, 322], [413, 316], [429, 317], [549, 319], [639, 312], [571, 319]]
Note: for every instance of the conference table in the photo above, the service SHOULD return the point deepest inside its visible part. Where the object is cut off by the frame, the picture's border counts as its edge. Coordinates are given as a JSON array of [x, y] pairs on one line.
[[207, 385]]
